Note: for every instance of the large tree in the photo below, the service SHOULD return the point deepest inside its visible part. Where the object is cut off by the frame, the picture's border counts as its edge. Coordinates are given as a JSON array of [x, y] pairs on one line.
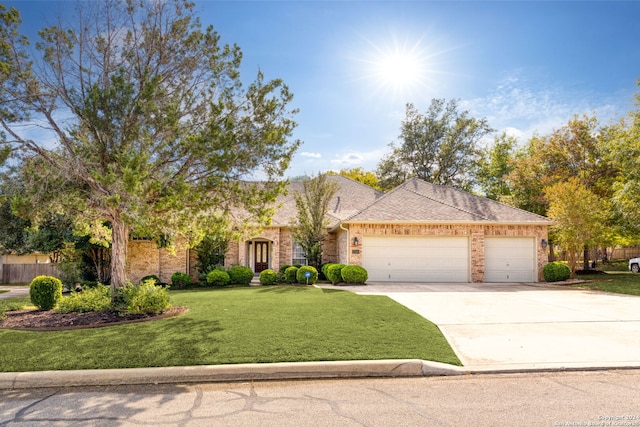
[[494, 166], [136, 115], [440, 146]]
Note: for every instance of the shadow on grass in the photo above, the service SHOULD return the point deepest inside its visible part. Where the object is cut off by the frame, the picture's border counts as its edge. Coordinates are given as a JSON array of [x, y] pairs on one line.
[[281, 289]]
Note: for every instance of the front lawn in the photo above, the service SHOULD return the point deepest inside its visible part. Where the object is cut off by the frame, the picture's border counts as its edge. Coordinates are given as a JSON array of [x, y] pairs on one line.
[[239, 325], [617, 282]]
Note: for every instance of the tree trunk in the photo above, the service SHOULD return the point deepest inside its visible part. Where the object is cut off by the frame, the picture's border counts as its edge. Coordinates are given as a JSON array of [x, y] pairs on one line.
[[119, 242], [585, 259], [552, 252]]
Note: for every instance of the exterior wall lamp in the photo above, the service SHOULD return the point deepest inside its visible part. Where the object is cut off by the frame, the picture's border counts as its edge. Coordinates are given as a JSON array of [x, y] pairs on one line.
[[544, 243], [356, 242]]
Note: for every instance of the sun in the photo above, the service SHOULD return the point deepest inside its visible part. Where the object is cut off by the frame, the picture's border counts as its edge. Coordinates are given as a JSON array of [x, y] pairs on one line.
[[397, 68]]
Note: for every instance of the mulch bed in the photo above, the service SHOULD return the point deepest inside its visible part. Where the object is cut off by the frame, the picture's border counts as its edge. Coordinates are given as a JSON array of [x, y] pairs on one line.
[[40, 320]]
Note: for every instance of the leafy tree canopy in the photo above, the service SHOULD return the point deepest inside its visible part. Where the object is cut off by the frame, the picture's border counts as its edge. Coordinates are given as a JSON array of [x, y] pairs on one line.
[[440, 146], [137, 116]]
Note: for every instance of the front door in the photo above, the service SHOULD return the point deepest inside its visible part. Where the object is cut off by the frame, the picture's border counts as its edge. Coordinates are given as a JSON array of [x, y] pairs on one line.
[[261, 256]]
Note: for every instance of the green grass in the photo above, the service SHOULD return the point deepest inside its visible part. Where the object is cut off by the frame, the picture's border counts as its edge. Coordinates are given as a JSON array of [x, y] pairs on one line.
[[617, 282], [13, 304], [3, 291], [240, 325]]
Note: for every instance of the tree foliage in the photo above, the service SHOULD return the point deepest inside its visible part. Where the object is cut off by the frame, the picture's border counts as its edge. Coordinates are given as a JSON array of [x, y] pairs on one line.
[[440, 146], [494, 166], [309, 227], [142, 121], [580, 217], [360, 175]]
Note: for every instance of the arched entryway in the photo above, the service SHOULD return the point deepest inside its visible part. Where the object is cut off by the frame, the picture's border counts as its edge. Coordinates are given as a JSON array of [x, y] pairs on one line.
[[259, 255]]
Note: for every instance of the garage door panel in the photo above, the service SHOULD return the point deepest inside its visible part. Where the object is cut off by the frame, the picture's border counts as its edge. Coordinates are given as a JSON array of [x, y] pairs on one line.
[[510, 259], [416, 259]]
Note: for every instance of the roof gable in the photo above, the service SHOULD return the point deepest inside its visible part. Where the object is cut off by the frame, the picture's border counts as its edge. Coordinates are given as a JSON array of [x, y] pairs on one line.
[[420, 201]]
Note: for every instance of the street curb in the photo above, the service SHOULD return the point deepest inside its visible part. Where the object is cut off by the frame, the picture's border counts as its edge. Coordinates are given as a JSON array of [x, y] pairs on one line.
[[228, 373]]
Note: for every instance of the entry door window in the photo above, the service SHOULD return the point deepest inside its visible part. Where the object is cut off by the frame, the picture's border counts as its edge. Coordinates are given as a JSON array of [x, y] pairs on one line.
[[261, 256]]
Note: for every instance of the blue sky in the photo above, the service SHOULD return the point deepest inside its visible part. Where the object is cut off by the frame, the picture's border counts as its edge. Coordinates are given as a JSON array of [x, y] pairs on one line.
[[525, 66]]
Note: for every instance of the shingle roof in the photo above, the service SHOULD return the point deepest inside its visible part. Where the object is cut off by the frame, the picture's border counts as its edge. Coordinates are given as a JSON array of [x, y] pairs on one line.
[[420, 201], [351, 198]]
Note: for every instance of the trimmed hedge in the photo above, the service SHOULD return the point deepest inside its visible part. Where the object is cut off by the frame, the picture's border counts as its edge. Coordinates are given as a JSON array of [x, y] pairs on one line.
[[333, 273], [180, 280], [45, 292], [268, 277], [354, 274], [218, 278], [556, 272], [302, 278], [240, 275], [290, 274]]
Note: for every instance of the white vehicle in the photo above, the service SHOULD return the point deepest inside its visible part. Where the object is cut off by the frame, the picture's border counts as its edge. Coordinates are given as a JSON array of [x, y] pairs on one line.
[[634, 265]]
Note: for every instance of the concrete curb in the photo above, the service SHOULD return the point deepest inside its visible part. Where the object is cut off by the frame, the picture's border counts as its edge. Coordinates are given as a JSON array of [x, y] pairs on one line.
[[227, 373]]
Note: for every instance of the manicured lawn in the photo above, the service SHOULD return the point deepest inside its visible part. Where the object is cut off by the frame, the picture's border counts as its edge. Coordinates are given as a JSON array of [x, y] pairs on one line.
[[239, 325], [617, 282], [3, 291]]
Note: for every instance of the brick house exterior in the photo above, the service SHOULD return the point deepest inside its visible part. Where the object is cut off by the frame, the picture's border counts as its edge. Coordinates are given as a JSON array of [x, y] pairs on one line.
[[488, 240]]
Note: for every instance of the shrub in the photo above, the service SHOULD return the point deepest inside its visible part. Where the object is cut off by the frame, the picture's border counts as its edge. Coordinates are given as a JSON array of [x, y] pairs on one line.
[[555, 272], [284, 268], [146, 298], [202, 276], [323, 270], [354, 274], [180, 280], [97, 298], [240, 275], [218, 278], [280, 278], [301, 275], [290, 274], [333, 273], [268, 277], [156, 279], [45, 292]]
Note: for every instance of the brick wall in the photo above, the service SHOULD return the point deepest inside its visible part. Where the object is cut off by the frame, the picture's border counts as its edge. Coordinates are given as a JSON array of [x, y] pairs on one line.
[[144, 258]]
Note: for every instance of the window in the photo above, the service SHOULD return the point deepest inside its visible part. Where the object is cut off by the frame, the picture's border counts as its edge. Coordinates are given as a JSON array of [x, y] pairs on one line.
[[297, 254]]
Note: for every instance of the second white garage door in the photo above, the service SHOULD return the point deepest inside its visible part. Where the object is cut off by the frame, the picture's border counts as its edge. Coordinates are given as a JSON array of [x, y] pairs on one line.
[[416, 259], [509, 259]]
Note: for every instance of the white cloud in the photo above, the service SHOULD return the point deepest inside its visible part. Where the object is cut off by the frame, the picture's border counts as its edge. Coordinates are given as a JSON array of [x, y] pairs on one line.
[[312, 155]]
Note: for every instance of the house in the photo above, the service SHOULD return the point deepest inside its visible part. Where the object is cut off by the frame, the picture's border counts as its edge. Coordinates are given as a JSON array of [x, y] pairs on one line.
[[418, 232]]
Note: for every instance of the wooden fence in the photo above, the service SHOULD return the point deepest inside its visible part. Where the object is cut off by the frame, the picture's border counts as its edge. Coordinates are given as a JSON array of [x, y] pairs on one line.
[[24, 273], [625, 253]]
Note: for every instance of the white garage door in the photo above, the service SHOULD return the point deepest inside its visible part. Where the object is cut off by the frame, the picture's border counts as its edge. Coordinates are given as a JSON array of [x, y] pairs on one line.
[[509, 259], [416, 259]]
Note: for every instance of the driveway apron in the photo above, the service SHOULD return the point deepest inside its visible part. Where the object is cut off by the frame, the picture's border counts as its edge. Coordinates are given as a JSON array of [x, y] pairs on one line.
[[520, 326]]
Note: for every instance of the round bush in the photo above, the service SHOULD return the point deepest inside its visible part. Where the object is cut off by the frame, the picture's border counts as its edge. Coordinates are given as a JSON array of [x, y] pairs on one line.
[[290, 274], [323, 270], [218, 278], [180, 280], [156, 279], [283, 268], [45, 292], [556, 272], [268, 277], [333, 273], [354, 274], [240, 275], [302, 278]]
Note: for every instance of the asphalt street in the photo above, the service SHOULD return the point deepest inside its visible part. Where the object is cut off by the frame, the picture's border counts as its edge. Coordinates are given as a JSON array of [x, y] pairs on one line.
[[595, 398]]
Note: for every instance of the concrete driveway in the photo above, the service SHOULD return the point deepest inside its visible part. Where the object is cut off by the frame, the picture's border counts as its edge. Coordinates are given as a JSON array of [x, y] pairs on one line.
[[14, 291], [526, 326]]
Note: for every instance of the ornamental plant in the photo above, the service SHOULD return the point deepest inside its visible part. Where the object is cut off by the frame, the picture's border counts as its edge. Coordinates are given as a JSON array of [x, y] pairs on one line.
[[268, 277], [97, 298], [218, 278], [240, 275], [180, 280], [45, 292], [556, 272], [290, 274], [301, 275], [354, 274], [333, 273], [146, 298]]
